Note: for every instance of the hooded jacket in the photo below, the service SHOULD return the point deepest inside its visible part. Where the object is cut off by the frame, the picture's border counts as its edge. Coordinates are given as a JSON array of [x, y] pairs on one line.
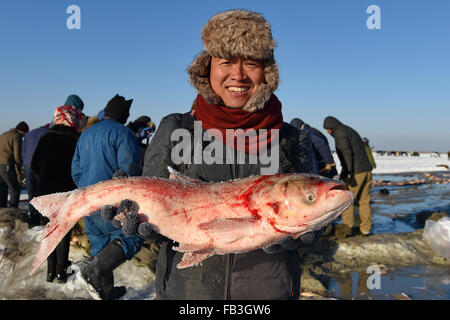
[[250, 275], [349, 147]]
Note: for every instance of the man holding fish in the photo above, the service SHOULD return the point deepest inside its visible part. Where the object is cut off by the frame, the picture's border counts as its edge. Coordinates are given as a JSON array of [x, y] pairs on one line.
[[228, 215], [235, 78]]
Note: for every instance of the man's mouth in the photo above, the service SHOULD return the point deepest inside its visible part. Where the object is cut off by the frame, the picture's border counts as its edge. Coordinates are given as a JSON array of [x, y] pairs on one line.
[[238, 89]]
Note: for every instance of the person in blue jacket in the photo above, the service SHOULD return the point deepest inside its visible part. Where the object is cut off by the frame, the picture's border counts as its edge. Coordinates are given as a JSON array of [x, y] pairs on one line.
[[102, 149]]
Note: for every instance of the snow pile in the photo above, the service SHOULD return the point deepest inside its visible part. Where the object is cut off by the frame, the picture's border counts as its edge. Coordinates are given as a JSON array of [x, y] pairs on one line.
[[18, 246]]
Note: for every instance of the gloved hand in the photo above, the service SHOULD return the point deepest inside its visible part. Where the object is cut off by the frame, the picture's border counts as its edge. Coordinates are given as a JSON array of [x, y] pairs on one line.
[[126, 217], [329, 172], [343, 175], [352, 180], [290, 243]]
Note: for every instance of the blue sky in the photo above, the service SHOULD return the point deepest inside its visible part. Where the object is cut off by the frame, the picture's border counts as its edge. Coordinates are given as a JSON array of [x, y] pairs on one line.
[[391, 85]]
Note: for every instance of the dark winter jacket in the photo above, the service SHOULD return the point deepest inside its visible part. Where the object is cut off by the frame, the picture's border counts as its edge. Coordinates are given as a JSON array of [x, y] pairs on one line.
[[52, 160], [30, 142], [250, 275], [349, 147]]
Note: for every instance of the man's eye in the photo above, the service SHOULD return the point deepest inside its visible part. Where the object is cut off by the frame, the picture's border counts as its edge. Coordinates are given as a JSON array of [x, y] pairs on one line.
[[252, 64]]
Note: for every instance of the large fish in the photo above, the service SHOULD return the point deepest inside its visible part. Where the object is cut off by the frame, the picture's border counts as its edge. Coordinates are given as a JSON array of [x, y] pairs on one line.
[[204, 218]]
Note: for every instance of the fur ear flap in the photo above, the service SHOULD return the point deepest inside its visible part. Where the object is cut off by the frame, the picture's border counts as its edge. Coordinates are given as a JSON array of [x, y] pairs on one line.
[[199, 78]]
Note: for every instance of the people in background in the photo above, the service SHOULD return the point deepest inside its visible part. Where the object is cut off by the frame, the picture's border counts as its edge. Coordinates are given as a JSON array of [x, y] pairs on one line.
[[101, 150], [11, 164], [356, 173], [29, 144], [51, 162], [322, 152]]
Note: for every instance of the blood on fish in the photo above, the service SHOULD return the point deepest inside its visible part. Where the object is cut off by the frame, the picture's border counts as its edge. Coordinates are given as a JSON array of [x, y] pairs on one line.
[[245, 197], [275, 206]]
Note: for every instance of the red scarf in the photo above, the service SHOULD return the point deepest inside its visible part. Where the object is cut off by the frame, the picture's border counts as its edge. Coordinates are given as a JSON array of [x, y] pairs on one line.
[[222, 118]]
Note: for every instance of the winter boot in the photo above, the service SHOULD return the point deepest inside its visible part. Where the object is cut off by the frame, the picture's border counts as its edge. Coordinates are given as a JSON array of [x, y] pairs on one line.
[[98, 276], [61, 272], [51, 268]]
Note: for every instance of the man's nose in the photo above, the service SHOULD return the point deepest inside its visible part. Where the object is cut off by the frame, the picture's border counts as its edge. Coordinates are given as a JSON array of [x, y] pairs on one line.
[[237, 71]]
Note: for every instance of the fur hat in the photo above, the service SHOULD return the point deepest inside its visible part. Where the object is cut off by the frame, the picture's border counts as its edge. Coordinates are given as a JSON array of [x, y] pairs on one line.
[[231, 34], [118, 108]]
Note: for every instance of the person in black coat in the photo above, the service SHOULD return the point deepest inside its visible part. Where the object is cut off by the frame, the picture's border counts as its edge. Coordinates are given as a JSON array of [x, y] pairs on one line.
[[52, 161], [356, 171]]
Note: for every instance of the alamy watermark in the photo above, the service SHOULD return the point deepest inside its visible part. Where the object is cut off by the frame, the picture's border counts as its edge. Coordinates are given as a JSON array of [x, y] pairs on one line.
[[374, 20], [374, 280], [191, 151], [74, 20]]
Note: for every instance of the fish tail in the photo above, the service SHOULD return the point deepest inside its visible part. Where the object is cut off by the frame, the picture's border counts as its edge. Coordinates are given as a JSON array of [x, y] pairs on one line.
[[49, 204], [56, 208]]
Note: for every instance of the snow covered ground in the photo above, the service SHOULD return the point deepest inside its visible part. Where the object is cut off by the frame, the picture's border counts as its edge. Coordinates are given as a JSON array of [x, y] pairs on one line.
[[426, 162]]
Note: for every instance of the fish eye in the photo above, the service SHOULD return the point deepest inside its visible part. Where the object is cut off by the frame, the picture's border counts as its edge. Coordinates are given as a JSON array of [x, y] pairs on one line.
[[310, 197]]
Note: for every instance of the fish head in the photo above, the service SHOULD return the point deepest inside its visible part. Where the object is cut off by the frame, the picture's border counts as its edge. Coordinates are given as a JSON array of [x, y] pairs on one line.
[[299, 203]]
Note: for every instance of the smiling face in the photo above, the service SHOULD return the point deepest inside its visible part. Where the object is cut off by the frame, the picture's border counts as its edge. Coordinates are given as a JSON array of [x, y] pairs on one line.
[[235, 80]]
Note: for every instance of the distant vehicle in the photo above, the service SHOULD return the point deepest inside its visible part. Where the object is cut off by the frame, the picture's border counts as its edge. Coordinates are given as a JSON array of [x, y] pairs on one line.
[[414, 154], [403, 153], [436, 154], [380, 152]]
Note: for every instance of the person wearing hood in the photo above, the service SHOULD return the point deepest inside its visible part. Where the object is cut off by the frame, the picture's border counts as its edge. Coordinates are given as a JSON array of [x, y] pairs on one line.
[[10, 161], [235, 79], [75, 101], [102, 149], [322, 153], [51, 162], [356, 172]]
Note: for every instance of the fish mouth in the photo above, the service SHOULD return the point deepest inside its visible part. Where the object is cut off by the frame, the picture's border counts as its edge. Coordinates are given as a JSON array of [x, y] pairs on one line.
[[317, 223]]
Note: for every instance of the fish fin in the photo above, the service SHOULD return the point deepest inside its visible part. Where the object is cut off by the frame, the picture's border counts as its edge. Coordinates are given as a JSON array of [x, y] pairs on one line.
[[188, 247], [193, 258], [175, 175], [229, 230]]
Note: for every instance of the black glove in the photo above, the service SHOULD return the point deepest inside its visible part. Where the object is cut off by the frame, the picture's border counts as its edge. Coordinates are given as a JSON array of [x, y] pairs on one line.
[[352, 180], [119, 174], [343, 175], [126, 217], [290, 243]]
